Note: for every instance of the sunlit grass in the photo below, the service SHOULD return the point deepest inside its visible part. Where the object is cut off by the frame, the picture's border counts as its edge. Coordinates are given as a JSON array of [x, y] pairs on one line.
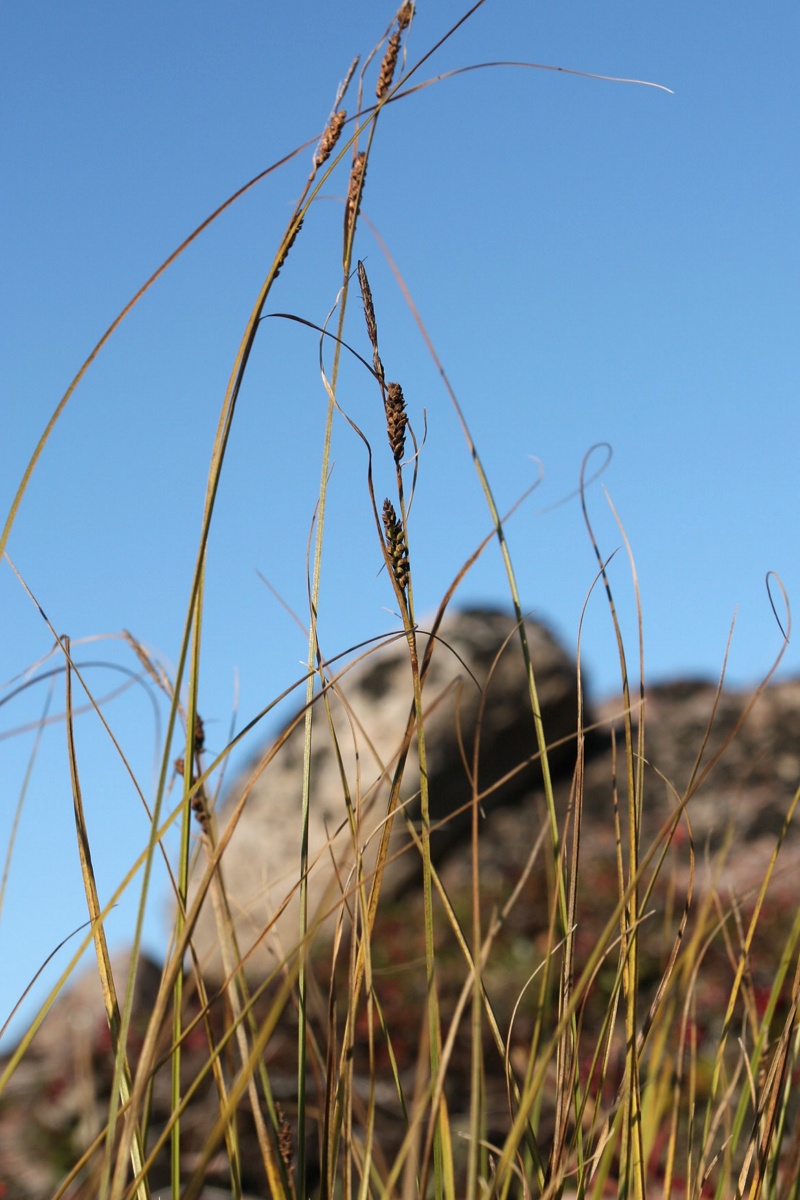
[[581, 1024]]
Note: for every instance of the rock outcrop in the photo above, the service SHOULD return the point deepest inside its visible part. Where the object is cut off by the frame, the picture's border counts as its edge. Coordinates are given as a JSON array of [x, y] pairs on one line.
[[476, 688], [741, 777]]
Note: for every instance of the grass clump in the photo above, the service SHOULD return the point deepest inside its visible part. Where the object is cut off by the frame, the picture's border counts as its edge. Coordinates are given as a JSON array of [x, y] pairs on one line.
[[549, 1015]]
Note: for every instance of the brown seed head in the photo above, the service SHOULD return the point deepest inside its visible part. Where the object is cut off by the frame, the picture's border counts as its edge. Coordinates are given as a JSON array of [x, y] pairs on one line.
[[396, 420], [405, 14], [199, 734], [369, 307], [200, 810], [388, 65], [369, 315], [396, 545], [357, 173], [330, 137], [287, 248], [284, 1139]]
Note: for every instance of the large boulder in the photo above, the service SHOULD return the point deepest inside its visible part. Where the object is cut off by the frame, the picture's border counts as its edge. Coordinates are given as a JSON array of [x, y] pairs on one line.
[[476, 688]]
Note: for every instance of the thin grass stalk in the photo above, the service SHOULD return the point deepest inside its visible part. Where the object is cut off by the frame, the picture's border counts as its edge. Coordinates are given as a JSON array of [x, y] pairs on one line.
[[475, 964], [238, 998], [130, 1128], [498, 523], [217, 453], [323, 152], [759, 1046], [193, 800], [238, 1088], [632, 1152], [781, 1129], [395, 549], [479, 956], [406, 603], [493, 930], [332, 1084], [215, 470], [769, 1107], [183, 879], [600, 1056], [23, 1046], [394, 573], [696, 951], [476, 1048], [122, 1068], [551, 949], [231, 1138], [196, 802], [358, 944], [534, 1084], [744, 956], [569, 941], [567, 1078], [314, 657], [172, 968], [369, 1127], [635, 763], [185, 1100], [212, 1064], [786, 1172]]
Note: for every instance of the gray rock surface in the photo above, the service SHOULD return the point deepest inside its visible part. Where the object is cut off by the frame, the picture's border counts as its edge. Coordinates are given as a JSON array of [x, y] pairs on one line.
[[476, 686], [741, 770]]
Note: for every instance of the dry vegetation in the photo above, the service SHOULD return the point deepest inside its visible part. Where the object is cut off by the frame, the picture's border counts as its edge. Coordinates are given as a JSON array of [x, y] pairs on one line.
[[534, 1031]]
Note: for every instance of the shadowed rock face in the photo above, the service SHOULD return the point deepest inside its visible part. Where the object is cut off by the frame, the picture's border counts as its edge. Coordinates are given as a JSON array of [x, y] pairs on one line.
[[476, 688]]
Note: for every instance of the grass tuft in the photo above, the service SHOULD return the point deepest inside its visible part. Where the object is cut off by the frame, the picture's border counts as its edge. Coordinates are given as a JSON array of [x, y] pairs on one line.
[[562, 1010]]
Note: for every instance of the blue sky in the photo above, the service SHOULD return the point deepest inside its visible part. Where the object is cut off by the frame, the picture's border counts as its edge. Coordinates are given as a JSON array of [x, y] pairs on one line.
[[595, 263]]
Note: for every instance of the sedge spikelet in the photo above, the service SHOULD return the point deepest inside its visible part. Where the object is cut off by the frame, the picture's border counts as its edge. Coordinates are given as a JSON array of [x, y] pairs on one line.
[[396, 420], [199, 802], [357, 173], [288, 247], [388, 65], [329, 138], [396, 546], [284, 1139], [369, 315], [404, 15]]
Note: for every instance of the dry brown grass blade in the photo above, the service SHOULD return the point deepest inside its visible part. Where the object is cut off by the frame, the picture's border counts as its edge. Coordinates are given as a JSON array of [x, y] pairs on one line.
[[121, 1066]]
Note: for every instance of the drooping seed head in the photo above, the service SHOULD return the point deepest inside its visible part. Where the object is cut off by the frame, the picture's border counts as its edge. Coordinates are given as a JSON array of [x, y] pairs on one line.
[[396, 420], [396, 545], [357, 173], [288, 247], [388, 65], [405, 14], [369, 316], [330, 137]]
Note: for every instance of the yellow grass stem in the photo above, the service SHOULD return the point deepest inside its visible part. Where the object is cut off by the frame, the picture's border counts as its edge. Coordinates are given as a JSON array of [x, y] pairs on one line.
[[122, 1072]]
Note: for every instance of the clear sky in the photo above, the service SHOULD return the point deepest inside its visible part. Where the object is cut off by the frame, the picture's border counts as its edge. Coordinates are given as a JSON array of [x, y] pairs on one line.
[[594, 261]]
